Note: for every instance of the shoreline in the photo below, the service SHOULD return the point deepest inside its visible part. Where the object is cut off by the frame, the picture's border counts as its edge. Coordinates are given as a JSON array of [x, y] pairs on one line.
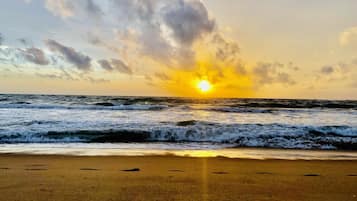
[[161, 149], [168, 155], [162, 178]]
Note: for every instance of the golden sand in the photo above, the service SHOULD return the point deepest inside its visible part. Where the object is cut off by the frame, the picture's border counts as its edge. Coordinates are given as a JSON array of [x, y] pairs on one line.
[[166, 178]]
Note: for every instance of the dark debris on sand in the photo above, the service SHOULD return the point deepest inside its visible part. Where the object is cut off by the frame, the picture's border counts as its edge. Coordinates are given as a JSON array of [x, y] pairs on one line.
[[131, 170], [91, 169], [311, 175]]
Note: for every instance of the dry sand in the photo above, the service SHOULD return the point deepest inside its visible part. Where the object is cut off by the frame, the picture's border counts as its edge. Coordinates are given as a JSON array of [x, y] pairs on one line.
[[165, 178]]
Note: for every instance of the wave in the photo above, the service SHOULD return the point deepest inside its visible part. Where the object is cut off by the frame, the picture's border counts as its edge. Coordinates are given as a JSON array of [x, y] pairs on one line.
[[222, 105], [96, 106], [301, 104], [237, 135], [241, 110]]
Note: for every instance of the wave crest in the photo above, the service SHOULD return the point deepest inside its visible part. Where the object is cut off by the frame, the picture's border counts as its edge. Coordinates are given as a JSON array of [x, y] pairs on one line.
[[242, 135]]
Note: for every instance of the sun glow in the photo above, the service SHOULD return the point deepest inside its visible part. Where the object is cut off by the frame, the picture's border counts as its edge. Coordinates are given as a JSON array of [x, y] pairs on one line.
[[204, 86]]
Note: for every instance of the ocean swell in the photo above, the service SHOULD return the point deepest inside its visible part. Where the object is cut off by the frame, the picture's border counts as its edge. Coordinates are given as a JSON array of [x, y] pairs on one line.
[[234, 135]]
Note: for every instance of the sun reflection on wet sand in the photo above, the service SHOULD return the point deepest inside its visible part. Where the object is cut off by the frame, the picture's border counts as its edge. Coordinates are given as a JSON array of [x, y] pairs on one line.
[[137, 149]]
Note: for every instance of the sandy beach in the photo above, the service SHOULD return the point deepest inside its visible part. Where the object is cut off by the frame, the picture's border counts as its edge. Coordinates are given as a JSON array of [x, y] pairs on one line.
[[70, 178]]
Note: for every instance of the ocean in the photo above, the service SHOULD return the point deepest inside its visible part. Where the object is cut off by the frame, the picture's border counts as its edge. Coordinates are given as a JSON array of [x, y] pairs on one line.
[[60, 122]]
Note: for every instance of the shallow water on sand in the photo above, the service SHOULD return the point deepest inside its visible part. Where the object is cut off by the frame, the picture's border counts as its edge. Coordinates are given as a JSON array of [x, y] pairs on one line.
[[160, 149]]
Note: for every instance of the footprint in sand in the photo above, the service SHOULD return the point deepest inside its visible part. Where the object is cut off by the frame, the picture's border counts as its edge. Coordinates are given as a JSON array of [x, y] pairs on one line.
[[4, 168], [35, 165], [311, 175], [36, 169], [352, 175], [176, 171], [263, 173], [131, 170], [89, 169], [220, 172]]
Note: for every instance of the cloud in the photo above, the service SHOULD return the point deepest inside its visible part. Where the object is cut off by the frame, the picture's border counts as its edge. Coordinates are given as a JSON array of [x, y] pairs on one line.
[[160, 31], [188, 20], [49, 76], [36, 56], [162, 76], [270, 73], [79, 60], [69, 8], [16, 56], [343, 72], [164, 31], [106, 65], [93, 9], [225, 50], [115, 65], [349, 37], [240, 68], [62, 8], [345, 67], [327, 69], [96, 80], [135, 10], [64, 75]]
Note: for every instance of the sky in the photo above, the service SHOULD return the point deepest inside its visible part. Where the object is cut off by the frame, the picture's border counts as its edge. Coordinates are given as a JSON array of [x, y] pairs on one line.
[[243, 48]]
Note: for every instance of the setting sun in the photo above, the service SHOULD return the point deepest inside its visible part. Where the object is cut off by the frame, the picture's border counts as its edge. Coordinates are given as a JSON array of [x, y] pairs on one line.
[[204, 86]]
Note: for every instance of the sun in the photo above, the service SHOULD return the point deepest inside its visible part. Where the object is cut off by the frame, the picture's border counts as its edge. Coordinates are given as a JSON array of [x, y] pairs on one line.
[[204, 86]]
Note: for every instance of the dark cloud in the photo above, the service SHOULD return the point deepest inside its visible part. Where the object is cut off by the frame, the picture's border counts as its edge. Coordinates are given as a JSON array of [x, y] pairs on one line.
[[163, 30], [120, 66], [188, 20], [153, 44], [269, 73], [345, 67], [162, 76], [106, 65], [142, 25], [115, 65], [36, 56], [225, 50], [93, 9], [96, 80], [135, 10], [327, 69], [81, 61], [285, 78], [17, 56]]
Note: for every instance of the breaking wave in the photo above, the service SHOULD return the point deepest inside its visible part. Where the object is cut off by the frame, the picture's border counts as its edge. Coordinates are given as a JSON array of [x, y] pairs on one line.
[[234, 135]]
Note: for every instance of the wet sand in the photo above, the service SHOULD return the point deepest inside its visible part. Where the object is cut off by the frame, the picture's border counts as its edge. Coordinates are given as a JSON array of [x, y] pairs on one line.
[[166, 178]]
